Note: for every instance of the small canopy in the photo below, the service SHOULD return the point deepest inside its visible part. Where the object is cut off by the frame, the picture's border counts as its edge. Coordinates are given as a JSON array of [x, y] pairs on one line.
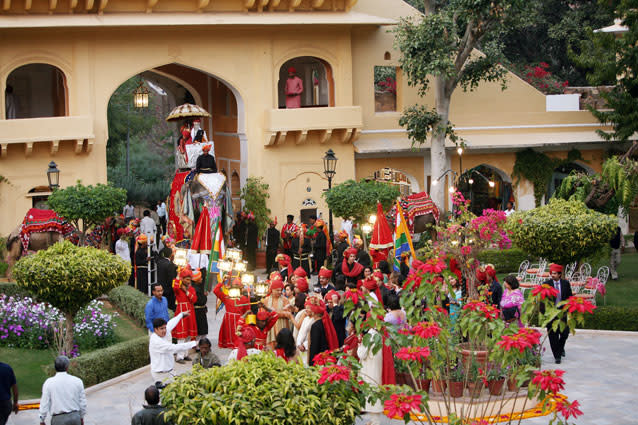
[[187, 111], [381, 234]]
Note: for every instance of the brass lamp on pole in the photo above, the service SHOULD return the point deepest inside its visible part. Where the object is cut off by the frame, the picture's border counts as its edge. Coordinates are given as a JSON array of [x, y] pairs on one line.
[[329, 170]]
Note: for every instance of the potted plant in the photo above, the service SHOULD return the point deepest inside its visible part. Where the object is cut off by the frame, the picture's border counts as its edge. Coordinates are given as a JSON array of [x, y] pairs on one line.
[[495, 379], [473, 384], [254, 195], [457, 380]]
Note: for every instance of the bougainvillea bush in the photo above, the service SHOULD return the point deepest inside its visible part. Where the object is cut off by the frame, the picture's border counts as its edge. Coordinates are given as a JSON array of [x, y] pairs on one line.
[[25, 323]]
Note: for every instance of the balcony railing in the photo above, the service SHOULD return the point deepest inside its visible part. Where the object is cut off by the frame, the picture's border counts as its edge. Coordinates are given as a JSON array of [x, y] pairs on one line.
[[342, 122], [51, 130]]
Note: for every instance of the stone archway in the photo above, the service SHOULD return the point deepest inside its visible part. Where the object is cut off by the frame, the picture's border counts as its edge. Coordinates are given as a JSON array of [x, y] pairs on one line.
[[487, 187]]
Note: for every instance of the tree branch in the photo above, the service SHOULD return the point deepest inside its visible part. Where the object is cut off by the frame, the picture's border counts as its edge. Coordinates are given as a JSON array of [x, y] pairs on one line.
[[465, 49], [428, 6]]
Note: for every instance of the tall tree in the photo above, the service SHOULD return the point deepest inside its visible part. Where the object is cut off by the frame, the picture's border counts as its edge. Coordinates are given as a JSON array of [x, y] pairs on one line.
[[438, 49]]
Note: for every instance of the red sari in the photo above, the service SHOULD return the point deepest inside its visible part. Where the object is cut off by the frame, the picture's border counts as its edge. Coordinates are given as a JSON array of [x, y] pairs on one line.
[[185, 301], [234, 310]]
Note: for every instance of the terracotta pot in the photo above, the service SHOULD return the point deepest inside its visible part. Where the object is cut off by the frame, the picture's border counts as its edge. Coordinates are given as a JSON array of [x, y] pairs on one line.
[[511, 385], [456, 389], [261, 260], [474, 389], [438, 386], [467, 353], [403, 378], [423, 385], [496, 387]]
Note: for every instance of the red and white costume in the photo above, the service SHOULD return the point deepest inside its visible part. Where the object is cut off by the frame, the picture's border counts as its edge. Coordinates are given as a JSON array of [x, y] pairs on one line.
[[234, 311]]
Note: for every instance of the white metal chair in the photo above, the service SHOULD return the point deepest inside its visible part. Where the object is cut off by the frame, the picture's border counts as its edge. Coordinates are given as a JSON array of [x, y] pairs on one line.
[[585, 270], [522, 270], [569, 270], [603, 276]]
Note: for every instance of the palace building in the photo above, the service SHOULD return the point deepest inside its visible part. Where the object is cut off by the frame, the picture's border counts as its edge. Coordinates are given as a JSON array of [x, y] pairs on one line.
[[62, 60]]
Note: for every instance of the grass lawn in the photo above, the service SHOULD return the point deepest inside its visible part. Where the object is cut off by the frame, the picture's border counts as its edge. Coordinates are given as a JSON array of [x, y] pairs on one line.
[[27, 364]]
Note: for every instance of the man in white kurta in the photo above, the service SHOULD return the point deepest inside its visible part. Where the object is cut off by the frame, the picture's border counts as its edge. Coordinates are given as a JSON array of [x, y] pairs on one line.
[[162, 349], [371, 372]]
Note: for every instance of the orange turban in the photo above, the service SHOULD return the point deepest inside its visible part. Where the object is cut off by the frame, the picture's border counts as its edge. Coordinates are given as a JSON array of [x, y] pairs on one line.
[[186, 272], [206, 148], [142, 239], [343, 234], [197, 276]]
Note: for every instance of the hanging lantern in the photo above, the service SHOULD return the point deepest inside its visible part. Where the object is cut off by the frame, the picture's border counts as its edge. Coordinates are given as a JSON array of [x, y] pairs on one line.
[[234, 292], [241, 266], [181, 257], [140, 96], [247, 279], [261, 288], [233, 254]]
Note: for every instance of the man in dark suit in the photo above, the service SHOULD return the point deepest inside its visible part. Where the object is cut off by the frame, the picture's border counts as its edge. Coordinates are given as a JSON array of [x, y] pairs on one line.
[[272, 246], [558, 338]]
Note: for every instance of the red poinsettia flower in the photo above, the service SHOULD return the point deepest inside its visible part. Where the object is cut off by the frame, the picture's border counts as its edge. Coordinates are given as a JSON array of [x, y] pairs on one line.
[[549, 380], [426, 329], [334, 373], [545, 291], [490, 312], [401, 404], [325, 358], [413, 353], [580, 305], [466, 250], [434, 265], [533, 336], [525, 338], [568, 409], [474, 306]]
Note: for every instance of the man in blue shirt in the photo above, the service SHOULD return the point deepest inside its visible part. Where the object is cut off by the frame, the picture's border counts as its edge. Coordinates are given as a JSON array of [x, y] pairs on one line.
[[156, 308], [7, 386]]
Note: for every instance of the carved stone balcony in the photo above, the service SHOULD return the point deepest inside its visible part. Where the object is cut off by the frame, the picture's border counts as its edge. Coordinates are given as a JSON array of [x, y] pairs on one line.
[[53, 130], [342, 122]]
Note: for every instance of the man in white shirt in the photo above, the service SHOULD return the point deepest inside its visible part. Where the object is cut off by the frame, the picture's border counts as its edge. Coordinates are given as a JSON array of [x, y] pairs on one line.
[[148, 227], [346, 226], [161, 212], [198, 261], [63, 396], [510, 209], [121, 246], [129, 211], [161, 349]]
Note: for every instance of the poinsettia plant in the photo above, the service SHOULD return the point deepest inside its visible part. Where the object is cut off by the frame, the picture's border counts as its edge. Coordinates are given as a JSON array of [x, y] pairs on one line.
[[475, 347]]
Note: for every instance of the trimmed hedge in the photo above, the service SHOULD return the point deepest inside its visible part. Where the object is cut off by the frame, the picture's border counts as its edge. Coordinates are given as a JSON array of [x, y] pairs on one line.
[[130, 301], [505, 261], [613, 318], [12, 289], [3, 268], [110, 362]]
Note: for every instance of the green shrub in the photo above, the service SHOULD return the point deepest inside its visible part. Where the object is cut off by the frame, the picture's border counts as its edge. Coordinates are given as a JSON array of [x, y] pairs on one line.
[[561, 231], [261, 389], [130, 301], [12, 289], [613, 318], [107, 363], [505, 261], [3, 267]]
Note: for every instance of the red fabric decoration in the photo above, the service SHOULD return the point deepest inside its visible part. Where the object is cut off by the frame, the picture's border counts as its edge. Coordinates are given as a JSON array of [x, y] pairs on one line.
[[203, 239], [381, 233], [331, 333], [175, 229], [357, 268]]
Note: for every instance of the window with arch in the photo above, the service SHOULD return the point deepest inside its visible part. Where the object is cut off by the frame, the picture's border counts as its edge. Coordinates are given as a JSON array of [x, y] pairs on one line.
[[486, 187], [36, 90], [305, 82], [235, 184]]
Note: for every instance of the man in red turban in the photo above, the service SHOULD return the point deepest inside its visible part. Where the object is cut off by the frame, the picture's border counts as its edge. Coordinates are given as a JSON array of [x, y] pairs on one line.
[[293, 89], [265, 322], [234, 310], [244, 342], [324, 281], [276, 302], [283, 261], [301, 286], [323, 336], [496, 290], [206, 162], [185, 299], [557, 338], [349, 266]]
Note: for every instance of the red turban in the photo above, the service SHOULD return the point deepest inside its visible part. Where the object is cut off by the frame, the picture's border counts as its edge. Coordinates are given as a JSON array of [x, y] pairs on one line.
[[121, 231], [324, 272], [275, 275], [292, 70], [350, 251], [556, 268], [262, 315], [490, 271], [317, 306], [276, 284], [370, 284], [206, 148], [300, 272], [197, 276], [142, 239], [245, 335], [186, 272], [302, 284], [331, 294], [481, 275], [378, 275], [283, 259]]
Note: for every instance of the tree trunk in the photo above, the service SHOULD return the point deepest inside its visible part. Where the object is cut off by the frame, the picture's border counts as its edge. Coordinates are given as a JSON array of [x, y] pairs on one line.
[[68, 336], [437, 151]]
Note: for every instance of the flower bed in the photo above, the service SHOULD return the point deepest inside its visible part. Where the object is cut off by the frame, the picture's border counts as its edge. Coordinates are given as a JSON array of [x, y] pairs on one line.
[[25, 323]]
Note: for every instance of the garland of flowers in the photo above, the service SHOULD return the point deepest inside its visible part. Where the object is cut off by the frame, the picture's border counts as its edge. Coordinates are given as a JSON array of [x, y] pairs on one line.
[[538, 168]]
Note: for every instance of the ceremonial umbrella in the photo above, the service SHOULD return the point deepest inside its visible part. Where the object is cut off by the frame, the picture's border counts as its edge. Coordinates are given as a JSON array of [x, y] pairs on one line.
[[202, 240], [187, 111], [381, 234]]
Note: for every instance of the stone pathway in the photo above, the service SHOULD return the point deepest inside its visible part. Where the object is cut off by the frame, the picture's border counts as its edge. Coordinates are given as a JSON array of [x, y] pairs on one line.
[[600, 374]]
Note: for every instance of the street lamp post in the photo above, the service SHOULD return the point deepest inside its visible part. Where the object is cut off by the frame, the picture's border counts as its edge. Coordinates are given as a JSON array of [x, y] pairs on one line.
[[329, 167], [53, 175]]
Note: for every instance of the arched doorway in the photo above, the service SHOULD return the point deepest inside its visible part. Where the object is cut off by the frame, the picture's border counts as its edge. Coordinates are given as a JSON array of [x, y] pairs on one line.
[[486, 187], [36, 90], [316, 75], [563, 171], [152, 150]]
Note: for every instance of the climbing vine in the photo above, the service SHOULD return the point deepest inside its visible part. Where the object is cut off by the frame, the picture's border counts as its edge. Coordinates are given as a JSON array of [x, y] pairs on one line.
[[538, 169]]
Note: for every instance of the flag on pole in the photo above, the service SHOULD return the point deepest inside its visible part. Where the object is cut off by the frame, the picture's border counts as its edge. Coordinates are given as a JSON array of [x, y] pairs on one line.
[[402, 239], [216, 254]]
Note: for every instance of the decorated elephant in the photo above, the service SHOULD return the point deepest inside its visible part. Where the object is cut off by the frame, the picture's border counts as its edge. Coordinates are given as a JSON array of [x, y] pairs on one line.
[[36, 242], [421, 213]]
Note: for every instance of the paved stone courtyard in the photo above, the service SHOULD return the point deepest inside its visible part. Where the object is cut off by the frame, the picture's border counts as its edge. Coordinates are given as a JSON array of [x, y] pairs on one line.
[[601, 373]]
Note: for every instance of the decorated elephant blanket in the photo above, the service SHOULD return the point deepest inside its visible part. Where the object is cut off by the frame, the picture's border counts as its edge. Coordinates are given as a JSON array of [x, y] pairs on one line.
[[38, 221]]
